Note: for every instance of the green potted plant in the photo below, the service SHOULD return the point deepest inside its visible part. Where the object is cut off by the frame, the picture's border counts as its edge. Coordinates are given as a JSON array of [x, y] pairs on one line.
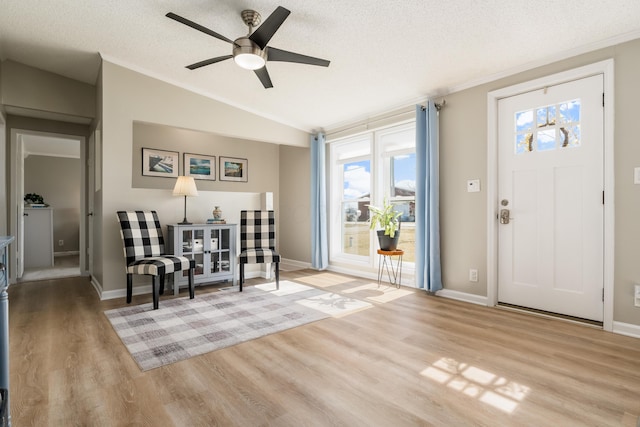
[[387, 223], [33, 198]]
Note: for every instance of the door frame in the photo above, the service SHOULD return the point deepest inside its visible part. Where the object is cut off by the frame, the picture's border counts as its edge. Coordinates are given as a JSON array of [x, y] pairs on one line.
[[606, 68], [16, 191]]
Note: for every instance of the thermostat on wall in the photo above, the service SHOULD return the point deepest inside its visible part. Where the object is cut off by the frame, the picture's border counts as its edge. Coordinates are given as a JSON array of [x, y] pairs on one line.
[[473, 186]]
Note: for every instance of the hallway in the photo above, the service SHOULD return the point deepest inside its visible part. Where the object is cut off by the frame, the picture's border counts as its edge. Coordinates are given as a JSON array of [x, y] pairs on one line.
[[63, 266]]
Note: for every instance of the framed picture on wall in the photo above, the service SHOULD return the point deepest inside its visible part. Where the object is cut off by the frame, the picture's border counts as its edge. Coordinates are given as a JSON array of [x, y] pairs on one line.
[[233, 169], [160, 163], [199, 166]]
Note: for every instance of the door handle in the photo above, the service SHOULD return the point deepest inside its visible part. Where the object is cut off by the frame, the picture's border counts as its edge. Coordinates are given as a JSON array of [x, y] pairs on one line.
[[504, 216], [25, 214]]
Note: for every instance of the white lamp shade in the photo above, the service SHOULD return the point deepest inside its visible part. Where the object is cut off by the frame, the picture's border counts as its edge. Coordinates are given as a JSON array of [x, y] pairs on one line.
[[185, 186]]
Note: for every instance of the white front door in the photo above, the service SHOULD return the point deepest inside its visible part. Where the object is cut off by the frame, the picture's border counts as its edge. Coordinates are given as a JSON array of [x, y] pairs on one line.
[[550, 182]]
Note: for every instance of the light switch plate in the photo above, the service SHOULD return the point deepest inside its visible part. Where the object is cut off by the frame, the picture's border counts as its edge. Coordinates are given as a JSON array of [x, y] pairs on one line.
[[636, 175], [473, 186]]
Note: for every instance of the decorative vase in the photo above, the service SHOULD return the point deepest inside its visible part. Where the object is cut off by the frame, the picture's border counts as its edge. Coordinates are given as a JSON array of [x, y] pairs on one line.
[[217, 213], [388, 243]]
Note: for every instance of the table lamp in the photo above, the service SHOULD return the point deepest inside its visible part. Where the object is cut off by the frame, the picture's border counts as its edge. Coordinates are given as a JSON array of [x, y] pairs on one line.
[[185, 186]]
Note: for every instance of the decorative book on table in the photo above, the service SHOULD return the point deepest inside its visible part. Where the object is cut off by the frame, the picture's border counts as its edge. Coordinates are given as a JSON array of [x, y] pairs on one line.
[[216, 221]]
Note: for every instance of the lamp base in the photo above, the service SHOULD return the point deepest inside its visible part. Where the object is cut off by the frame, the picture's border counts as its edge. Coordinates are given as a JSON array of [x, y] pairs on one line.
[[185, 222]]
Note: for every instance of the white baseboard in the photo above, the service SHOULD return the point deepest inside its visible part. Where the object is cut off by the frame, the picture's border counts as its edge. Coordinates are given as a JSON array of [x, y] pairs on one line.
[[627, 329], [122, 293], [145, 288], [352, 272], [97, 286], [65, 253], [298, 265], [462, 296], [621, 328], [408, 278]]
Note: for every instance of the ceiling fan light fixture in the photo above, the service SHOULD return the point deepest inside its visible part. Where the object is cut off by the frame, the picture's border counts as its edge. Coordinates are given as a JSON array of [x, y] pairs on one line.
[[248, 55], [249, 61]]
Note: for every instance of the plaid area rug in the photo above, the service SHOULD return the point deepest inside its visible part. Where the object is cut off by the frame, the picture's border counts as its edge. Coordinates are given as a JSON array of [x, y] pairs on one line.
[[183, 328]]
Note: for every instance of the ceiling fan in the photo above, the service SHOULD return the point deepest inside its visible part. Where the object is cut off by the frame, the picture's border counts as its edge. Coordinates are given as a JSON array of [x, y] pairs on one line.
[[251, 51]]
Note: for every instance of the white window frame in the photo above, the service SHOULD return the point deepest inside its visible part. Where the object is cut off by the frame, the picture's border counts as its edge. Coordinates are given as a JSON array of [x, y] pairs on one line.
[[380, 177]]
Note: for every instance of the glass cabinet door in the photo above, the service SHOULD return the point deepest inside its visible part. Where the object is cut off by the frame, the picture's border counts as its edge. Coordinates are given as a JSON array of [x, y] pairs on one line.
[[193, 248]]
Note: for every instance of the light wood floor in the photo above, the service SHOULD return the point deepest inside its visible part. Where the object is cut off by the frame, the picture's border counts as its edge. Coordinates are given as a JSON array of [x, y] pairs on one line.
[[411, 361]]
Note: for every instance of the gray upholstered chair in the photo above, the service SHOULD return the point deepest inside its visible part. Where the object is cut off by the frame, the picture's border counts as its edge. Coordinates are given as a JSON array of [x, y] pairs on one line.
[[258, 241], [144, 252]]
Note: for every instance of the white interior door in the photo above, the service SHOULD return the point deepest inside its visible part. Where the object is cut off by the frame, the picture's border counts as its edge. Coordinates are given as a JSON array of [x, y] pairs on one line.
[[550, 182]]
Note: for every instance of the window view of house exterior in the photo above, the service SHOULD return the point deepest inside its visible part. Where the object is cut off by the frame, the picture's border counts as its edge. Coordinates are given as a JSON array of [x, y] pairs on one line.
[[368, 169], [403, 197], [357, 189]]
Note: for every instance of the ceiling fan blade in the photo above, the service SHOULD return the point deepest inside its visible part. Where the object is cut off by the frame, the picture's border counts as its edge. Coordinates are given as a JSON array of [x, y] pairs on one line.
[[209, 62], [274, 54], [198, 27], [263, 75], [268, 28]]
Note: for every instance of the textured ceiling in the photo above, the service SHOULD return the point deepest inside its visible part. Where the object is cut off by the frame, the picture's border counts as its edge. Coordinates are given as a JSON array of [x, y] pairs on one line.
[[384, 54]]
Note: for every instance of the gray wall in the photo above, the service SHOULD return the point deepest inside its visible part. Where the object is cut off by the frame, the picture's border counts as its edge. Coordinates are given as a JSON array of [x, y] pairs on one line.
[[294, 233], [29, 88], [59, 103], [129, 97], [262, 159], [463, 153], [57, 180]]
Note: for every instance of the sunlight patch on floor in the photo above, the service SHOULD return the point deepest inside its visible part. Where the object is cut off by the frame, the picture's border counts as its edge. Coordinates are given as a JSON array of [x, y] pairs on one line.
[[324, 280], [378, 293], [335, 305], [286, 288], [477, 383]]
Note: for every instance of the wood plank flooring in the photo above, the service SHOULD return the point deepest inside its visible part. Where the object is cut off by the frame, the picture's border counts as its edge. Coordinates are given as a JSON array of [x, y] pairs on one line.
[[411, 360]]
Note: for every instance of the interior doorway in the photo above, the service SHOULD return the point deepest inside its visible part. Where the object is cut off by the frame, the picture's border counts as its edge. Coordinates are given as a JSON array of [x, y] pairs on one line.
[[50, 234]]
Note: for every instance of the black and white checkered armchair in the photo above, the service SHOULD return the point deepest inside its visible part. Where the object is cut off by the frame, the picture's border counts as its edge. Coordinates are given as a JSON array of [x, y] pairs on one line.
[[258, 241], [144, 252]]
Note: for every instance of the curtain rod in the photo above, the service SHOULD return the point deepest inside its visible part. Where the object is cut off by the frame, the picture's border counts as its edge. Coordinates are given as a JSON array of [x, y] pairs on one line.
[[439, 106], [368, 122]]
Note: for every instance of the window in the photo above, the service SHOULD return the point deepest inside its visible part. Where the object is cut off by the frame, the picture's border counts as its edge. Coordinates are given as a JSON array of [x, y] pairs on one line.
[[367, 169], [555, 126]]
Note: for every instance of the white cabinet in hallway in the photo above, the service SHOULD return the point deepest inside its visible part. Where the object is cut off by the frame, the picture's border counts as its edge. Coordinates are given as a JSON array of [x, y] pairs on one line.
[[38, 237]]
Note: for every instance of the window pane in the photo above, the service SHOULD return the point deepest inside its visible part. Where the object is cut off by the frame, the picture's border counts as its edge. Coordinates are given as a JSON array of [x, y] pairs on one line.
[[407, 241], [356, 192], [546, 116], [524, 143], [403, 175], [524, 121], [547, 140], [355, 228], [356, 180], [570, 111], [570, 136]]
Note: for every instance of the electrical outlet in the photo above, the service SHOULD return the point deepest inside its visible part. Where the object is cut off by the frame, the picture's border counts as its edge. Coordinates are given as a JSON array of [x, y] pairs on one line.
[[636, 297], [473, 275], [60, 242]]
